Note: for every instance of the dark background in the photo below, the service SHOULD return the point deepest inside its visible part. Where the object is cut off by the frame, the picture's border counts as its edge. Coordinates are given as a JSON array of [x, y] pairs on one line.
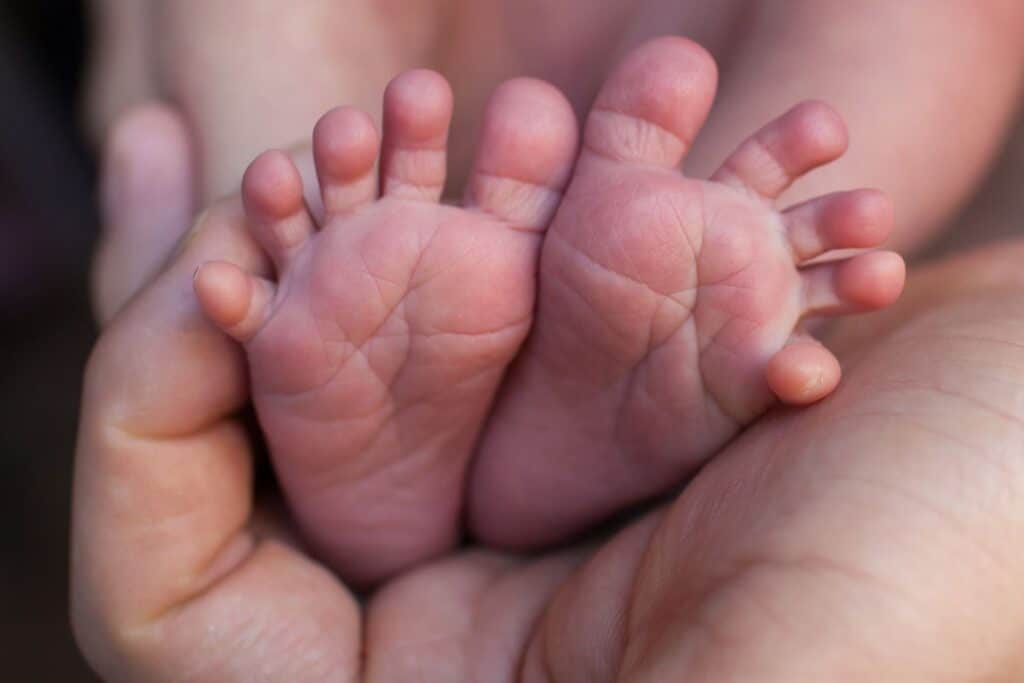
[[47, 227]]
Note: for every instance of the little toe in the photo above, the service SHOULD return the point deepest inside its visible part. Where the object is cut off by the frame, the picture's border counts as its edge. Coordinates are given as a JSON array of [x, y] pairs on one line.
[[803, 372], [861, 283], [235, 301], [652, 106], [274, 206], [345, 146], [525, 154], [860, 219], [417, 114], [809, 135]]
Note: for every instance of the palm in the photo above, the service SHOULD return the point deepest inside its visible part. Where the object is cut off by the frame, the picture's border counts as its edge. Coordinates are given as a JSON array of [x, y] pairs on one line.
[[794, 556], [862, 539], [816, 545]]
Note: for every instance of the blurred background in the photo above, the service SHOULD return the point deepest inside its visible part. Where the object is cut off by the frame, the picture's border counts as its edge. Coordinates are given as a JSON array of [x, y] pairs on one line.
[[47, 227]]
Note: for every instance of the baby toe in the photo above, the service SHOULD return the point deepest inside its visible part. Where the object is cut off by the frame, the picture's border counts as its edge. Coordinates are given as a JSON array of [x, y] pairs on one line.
[[417, 114], [651, 108], [861, 283], [345, 146], [237, 302], [525, 154], [274, 206], [803, 372]]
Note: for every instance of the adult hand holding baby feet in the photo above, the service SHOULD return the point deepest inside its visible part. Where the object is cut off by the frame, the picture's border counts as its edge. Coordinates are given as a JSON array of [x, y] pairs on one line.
[[375, 353], [863, 539], [670, 309]]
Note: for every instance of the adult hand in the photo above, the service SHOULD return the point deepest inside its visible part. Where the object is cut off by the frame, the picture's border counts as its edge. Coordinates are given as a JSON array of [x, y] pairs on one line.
[[147, 199], [867, 538]]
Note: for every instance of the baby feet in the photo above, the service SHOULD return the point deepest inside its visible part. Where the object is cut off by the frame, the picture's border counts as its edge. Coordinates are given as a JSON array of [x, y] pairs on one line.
[[669, 309], [376, 351], [668, 316]]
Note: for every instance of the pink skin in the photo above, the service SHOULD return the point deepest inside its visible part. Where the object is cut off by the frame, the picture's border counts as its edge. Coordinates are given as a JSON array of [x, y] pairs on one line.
[[376, 351], [670, 309], [881, 64], [371, 414], [862, 539], [147, 200]]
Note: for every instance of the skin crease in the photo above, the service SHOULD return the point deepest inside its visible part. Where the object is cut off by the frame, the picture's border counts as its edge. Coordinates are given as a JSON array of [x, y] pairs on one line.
[[755, 570], [376, 350], [124, 643], [661, 300], [375, 354]]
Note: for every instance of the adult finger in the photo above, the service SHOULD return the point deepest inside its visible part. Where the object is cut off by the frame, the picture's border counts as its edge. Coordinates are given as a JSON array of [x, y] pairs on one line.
[[147, 199], [168, 579]]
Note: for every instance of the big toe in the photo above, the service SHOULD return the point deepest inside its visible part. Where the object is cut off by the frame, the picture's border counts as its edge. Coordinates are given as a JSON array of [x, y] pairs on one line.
[[525, 153], [653, 105]]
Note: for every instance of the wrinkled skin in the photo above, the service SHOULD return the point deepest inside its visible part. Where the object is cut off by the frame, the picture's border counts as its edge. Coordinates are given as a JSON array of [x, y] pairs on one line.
[[669, 314], [666, 301], [866, 538], [377, 348]]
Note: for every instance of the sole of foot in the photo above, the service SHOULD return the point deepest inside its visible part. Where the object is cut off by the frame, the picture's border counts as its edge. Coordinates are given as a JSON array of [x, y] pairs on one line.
[[671, 310], [377, 348]]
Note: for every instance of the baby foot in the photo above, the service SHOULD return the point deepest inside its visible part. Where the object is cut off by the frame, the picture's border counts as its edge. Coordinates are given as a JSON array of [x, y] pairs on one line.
[[376, 353], [669, 309]]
